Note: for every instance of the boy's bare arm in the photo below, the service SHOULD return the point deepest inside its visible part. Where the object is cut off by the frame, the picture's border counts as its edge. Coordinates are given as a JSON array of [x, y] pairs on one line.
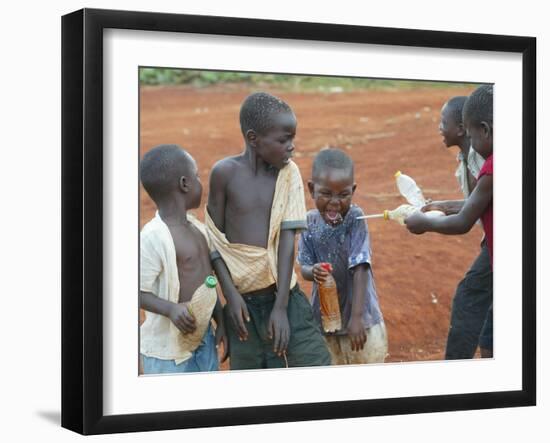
[[307, 272], [221, 334], [279, 328], [217, 194], [236, 305], [356, 328], [473, 209], [471, 181], [178, 313], [217, 314], [449, 207]]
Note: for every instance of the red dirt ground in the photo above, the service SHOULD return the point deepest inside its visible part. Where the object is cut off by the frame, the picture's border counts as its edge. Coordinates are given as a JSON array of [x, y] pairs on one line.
[[384, 131]]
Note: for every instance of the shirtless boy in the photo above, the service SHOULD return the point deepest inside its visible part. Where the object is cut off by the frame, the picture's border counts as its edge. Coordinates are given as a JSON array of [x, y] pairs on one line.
[[255, 207]]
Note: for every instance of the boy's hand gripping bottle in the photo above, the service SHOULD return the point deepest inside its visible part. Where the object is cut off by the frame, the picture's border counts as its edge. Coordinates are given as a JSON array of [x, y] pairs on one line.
[[330, 306]]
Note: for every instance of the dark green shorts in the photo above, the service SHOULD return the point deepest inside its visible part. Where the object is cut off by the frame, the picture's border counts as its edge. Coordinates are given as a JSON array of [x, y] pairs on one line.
[[306, 346]]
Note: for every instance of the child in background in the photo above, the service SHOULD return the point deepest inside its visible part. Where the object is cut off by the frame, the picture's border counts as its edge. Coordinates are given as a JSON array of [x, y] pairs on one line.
[[453, 132], [177, 288], [478, 121], [335, 236]]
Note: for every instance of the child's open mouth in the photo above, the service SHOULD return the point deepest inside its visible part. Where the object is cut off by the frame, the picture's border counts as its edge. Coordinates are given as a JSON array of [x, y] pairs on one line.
[[333, 217]]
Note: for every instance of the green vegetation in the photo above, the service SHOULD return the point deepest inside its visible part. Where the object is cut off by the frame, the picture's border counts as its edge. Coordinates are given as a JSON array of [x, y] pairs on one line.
[[170, 76]]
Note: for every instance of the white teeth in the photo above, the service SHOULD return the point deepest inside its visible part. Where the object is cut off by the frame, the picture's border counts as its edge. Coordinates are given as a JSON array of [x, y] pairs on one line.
[[333, 217]]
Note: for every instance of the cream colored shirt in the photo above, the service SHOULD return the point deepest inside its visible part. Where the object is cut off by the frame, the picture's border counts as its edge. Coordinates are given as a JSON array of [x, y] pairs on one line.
[[252, 267], [474, 164], [159, 337]]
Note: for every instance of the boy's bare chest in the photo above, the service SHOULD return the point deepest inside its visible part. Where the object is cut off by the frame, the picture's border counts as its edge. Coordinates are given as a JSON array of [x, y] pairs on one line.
[[190, 245], [248, 195]]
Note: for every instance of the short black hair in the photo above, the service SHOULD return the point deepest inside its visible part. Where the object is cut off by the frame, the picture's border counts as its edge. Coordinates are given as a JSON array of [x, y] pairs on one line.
[[455, 106], [257, 111], [479, 106], [331, 158], [161, 168]]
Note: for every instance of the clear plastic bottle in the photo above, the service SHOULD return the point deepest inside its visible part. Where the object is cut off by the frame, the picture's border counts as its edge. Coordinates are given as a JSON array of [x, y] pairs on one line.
[[330, 306], [409, 189], [434, 213], [400, 213]]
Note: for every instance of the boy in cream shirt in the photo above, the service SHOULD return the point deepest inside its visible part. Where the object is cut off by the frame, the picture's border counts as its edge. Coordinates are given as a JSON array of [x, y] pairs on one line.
[[177, 288]]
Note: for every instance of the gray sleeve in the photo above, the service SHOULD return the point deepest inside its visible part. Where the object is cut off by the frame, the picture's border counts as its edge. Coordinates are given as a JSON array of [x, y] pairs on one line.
[[214, 255], [294, 225]]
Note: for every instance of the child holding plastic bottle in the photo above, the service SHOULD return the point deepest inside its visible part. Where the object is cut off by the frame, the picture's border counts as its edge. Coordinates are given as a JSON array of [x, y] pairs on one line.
[[337, 246], [177, 288]]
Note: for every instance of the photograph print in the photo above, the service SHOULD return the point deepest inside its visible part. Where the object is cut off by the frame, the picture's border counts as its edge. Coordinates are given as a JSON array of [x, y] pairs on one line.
[[294, 221]]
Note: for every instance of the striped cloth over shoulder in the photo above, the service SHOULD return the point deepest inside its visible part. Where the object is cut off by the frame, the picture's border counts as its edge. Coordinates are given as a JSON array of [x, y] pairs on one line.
[[251, 267]]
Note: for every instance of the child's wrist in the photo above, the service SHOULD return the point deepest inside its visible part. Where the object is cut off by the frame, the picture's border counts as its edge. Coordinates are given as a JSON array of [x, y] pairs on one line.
[[232, 296], [170, 308], [280, 306]]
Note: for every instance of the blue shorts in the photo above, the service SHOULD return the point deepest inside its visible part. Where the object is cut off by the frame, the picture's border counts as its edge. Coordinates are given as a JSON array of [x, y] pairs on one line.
[[204, 358]]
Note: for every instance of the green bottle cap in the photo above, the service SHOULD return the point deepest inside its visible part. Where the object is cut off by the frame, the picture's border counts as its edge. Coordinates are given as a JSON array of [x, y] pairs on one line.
[[211, 281]]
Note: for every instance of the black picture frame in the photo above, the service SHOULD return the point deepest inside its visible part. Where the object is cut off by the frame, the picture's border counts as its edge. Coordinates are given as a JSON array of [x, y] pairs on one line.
[[82, 220]]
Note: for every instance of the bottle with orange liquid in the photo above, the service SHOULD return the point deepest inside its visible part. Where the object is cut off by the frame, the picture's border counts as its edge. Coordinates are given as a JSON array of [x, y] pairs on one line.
[[330, 307]]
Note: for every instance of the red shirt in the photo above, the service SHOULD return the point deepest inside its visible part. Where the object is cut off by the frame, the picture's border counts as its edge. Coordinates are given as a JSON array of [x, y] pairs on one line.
[[487, 216]]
